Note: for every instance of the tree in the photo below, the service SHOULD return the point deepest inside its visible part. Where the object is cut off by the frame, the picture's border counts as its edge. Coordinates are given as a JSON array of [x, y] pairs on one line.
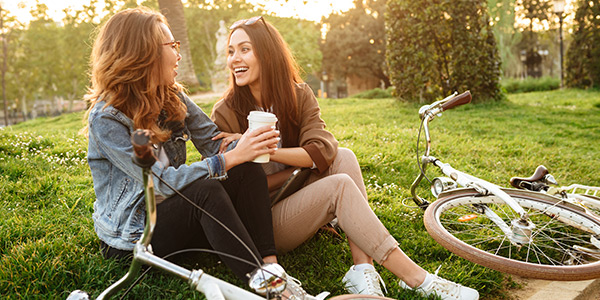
[[436, 47], [38, 55], [75, 43], [173, 10], [583, 56], [355, 43], [536, 13], [507, 37]]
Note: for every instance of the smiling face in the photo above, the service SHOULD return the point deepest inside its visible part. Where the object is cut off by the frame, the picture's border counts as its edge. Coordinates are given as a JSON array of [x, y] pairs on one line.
[[170, 57], [241, 60]]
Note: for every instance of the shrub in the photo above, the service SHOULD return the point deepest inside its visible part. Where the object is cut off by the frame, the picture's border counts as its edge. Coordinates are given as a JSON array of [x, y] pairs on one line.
[[438, 47], [375, 93], [516, 85]]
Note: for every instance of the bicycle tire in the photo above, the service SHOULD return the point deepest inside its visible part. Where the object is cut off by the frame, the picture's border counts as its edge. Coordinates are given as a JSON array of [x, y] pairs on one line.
[[557, 223], [357, 297]]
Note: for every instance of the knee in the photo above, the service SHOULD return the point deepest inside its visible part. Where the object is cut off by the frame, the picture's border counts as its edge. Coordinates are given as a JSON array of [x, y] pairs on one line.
[[249, 167], [208, 190], [345, 161], [248, 170], [345, 154], [340, 180]]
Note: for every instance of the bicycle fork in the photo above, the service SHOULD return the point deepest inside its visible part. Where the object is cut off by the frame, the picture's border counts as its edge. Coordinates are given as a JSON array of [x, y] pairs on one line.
[[519, 231]]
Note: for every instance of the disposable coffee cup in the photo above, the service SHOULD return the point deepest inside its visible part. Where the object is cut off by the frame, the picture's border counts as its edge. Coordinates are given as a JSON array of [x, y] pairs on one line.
[[258, 119]]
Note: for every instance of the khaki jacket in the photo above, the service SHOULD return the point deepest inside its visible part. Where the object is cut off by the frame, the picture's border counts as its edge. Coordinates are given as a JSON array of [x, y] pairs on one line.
[[320, 144]]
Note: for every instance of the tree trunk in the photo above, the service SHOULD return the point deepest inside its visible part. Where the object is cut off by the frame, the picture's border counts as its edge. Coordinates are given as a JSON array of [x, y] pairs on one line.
[[173, 10]]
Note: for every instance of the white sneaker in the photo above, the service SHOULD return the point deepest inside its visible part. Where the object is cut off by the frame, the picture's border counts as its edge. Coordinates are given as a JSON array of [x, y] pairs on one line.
[[294, 287], [445, 289], [364, 282]]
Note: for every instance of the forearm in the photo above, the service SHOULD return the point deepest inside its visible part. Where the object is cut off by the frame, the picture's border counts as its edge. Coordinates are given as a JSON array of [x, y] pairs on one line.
[[297, 157]]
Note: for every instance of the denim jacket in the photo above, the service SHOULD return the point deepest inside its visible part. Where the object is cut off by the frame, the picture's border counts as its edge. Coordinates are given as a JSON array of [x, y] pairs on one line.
[[119, 209]]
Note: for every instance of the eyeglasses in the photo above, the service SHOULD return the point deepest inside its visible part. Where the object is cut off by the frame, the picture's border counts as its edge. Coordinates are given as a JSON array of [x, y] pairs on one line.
[[174, 44], [247, 22]]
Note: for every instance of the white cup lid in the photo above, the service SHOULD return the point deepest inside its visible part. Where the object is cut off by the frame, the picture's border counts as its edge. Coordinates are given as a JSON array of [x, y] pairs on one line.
[[262, 116]]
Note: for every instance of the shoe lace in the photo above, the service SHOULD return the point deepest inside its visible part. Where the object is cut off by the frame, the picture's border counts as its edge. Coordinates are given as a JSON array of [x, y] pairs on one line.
[[294, 286], [443, 285], [373, 279]]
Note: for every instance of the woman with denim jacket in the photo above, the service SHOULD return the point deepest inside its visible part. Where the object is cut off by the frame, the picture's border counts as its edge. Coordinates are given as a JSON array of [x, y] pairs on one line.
[[264, 76], [134, 61]]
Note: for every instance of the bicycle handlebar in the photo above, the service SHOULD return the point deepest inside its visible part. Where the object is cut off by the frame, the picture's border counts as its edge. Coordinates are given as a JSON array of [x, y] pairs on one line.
[[142, 148], [459, 100], [428, 112]]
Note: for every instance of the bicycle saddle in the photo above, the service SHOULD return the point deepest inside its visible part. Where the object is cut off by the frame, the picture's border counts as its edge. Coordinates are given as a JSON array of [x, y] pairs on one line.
[[539, 174]]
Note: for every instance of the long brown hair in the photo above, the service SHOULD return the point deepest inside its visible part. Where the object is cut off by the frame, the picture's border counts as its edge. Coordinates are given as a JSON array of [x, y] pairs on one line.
[[279, 75], [126, 71]]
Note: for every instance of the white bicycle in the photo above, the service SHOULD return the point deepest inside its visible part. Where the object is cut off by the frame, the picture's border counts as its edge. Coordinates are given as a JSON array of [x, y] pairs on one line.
[[521, 232], [268, 280]]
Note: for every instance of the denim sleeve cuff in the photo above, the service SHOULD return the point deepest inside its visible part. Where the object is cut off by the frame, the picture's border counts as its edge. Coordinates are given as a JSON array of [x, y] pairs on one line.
[[232, 145], [216, 167]]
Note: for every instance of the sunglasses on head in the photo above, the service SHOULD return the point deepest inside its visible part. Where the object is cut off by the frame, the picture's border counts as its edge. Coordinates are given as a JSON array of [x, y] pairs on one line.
[[247, 22]]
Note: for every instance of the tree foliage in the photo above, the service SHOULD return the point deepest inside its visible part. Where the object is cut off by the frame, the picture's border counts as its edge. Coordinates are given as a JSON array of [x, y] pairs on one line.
[[583, 56], [355, 42], [535, 12], [436, 47], [49, 60]]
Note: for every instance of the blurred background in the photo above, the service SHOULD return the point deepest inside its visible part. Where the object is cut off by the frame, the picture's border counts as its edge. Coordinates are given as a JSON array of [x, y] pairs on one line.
[[413, 50]]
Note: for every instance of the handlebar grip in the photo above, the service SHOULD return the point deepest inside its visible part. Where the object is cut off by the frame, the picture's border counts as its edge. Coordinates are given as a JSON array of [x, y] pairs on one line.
[[461, 99], [143, 155]]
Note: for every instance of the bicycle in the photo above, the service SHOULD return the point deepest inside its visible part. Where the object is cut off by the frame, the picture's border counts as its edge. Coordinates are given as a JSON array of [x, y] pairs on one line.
[[268, 280], [515, 231]]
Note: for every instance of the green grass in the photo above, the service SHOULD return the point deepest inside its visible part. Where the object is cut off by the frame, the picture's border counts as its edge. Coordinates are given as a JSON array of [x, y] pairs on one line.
[[530, 84], [48, 246]]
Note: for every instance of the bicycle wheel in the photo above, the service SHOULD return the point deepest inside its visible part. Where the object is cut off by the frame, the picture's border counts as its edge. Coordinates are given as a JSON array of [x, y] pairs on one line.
[[559, 248]]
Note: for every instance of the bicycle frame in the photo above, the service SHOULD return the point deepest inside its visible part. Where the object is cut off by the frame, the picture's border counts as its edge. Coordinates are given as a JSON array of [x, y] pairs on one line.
[[427, 114]]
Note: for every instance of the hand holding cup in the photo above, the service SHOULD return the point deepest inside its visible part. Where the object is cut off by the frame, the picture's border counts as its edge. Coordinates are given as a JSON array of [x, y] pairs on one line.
[[260, 119]]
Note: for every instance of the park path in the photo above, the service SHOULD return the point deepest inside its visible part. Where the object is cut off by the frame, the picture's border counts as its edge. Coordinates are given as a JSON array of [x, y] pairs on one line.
[[535, 289], [207, 97]]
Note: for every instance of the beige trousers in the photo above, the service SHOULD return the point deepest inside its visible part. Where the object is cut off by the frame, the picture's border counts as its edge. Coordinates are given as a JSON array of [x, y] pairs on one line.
[[338, 192]]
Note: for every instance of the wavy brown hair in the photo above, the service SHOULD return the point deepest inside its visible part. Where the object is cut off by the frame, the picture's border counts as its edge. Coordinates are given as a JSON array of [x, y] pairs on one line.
[[279, 75], [126, 71]]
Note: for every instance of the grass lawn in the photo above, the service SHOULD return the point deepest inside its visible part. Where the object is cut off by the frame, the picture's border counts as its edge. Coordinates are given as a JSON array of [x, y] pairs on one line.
[[48, 246]]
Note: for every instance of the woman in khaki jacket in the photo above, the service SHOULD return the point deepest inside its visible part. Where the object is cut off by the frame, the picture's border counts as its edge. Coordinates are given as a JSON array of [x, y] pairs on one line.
[[264, 76]]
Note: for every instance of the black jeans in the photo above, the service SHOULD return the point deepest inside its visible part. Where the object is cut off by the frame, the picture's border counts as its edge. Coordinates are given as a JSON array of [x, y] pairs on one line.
[[241, 202]]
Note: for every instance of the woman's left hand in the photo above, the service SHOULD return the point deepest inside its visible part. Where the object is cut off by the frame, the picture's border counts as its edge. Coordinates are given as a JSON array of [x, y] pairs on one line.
[[228, 138]]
